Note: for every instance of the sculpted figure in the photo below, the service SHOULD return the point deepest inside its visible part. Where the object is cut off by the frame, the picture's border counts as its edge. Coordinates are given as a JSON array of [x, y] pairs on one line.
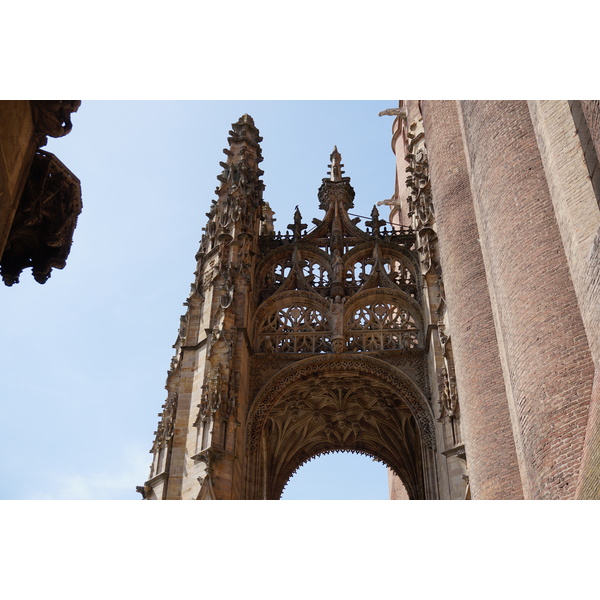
[[182, 327], [227, 292], [338, 266], [53, 117], [337, 324], [406, 340], [337, 315], [268, 344]]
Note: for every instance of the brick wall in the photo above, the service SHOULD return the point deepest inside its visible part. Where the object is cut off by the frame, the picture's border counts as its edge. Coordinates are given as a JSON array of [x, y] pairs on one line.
[[546, 360], [486, 424], [571, 168]]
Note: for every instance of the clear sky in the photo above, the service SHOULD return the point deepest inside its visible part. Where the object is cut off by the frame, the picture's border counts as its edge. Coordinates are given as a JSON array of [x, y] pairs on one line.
[[84, 356]]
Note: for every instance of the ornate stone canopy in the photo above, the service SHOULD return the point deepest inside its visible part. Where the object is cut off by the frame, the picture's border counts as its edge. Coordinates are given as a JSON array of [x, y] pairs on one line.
[[296, 344], [349, 402]]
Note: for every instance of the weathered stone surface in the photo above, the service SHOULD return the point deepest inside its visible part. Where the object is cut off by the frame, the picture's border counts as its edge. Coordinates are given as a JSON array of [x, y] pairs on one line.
[[297, 344], [40, 199]]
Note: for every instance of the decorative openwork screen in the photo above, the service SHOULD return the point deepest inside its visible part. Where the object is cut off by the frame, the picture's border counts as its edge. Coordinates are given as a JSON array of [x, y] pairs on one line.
[[295, 328], [401, 275], [381, 326], [315, 273], [396, 269]]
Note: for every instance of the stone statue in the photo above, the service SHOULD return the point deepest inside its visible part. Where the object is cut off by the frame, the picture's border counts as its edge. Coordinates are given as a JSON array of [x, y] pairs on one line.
[[338, 267]]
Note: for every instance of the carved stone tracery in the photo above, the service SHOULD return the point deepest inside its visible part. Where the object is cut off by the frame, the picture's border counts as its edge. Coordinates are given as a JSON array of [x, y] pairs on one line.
[[338, 291], [382, 326], [42, 230], [375, 369], [163, 436], [164, 432], [344, 412], [353, 403], [421, 211], [295, 328]]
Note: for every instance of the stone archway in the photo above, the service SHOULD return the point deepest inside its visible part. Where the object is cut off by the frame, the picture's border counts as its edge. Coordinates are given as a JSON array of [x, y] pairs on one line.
[[352, 403], [296, 344]]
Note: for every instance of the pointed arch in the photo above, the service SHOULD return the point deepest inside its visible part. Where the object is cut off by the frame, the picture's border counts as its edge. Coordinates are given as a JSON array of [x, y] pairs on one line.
[[383, 319], [340, 402], [294, 321], [399, 265]]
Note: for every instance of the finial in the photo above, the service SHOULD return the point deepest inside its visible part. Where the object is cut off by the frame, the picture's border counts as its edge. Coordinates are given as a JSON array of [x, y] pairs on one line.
[[297, 226], [244, 128], [375, 223], [336, 165], [336, 186]]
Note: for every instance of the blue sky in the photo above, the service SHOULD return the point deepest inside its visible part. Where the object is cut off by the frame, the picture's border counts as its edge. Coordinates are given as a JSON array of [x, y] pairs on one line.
[[84, 356]]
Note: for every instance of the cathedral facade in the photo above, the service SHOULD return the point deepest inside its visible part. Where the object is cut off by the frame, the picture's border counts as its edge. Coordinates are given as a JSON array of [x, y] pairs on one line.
[[459, 345]]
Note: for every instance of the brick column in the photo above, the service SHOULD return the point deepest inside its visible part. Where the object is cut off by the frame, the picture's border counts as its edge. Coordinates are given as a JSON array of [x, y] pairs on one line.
[[545, 356], [573, 175], [486, 424]]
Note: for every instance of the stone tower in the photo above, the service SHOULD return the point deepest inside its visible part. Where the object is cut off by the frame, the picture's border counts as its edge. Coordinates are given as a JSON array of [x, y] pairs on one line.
[[302, 343]]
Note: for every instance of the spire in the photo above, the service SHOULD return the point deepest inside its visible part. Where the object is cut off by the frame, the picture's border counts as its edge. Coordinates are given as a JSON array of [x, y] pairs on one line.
[[244, 129], [241, 176], [336, 165], [238, 208], [336, 185]]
